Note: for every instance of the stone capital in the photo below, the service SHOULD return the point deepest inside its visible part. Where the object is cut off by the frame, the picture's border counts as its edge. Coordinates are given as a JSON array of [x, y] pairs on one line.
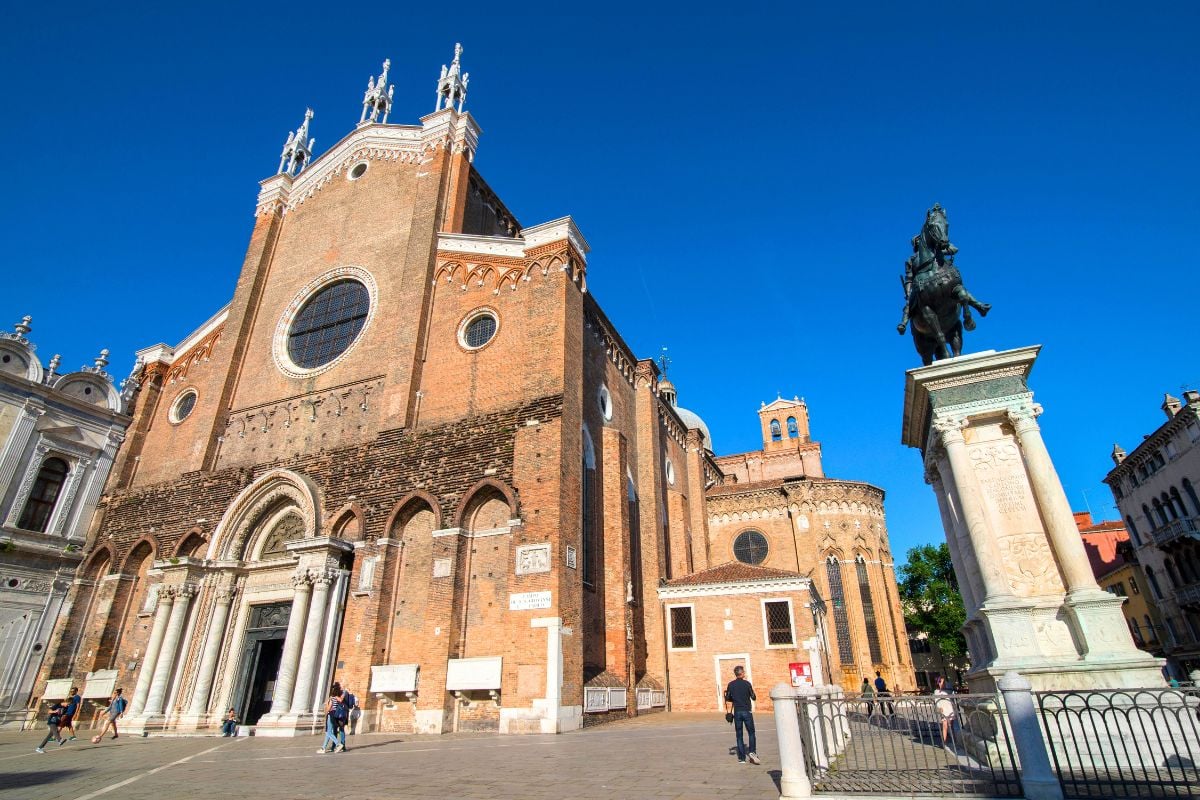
[[225, 594], [1024, 417], [950, 429], [303, 581]]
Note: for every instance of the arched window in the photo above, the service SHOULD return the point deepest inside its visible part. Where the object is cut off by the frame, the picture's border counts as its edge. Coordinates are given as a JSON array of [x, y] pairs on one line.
[[1133, 531], [1149, 517], [864, 592], [841, 622], [1160, 516], [1177, 503], [1171, 573], [1191, 493], [793, 430], [1169, 510], [1151, 634], [46, 488], [587, 503], [1153, 580], [776, 431]]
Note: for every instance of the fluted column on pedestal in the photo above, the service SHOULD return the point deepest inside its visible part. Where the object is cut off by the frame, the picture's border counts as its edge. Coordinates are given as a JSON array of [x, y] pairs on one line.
[[987, 553], [170, 647], [290, 662], [310, 652], [212, 649], [162, 613], [1052, 501]]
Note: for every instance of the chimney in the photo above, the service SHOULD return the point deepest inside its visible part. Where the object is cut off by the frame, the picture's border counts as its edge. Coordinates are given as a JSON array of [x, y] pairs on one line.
[[1083, 519], [1171, 405], [1191, 397]]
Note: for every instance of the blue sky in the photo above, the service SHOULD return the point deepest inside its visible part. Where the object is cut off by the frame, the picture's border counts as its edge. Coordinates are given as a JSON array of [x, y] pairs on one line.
[[748, 177]]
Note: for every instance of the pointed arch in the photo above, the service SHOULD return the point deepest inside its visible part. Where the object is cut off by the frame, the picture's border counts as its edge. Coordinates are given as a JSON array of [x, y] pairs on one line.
[[102, 557], [190, 543], [273, 491], [137, 552], [348, 523], [407, 506], [480, 493]]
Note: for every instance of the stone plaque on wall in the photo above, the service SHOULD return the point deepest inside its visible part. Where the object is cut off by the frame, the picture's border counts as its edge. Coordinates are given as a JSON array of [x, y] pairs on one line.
[[572, 559], [533, 558], [528, 601], [441, 568]]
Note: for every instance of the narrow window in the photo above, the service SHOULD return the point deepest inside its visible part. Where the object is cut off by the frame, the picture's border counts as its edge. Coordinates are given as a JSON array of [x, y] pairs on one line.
[[46, 488], [776, 431], [683, 636], [1174, 577], [1150, 634], [635, 543], [841, 623], [793, 431], [1177, 503], [1136, 630], [1149, 517], [588, 511], [778, 615], [1191, 493], [1133, 587], [1133, 531], [1154, 587], [864, 591]]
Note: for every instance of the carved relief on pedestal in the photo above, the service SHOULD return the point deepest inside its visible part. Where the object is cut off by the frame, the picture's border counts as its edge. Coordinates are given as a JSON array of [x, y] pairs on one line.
[[1029, 565]]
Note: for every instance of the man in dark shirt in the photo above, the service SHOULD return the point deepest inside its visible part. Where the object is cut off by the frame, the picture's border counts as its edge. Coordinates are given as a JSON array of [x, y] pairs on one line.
[[738, 695]]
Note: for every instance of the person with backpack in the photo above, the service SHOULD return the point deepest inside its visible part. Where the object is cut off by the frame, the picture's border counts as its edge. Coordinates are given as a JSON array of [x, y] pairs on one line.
[[116, 709], [354, 713], [335, 722], [73, 703], [57, 711]]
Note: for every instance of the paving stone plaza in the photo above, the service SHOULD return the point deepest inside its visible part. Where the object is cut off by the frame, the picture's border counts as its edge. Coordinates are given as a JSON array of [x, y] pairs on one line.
[[658, 756]]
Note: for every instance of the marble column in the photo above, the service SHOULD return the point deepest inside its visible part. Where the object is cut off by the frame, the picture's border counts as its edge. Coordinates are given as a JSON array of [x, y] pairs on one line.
[[1052, 501], [290, 662], [309, 654], [951, 526], [166, 600], [212, 649], [170, 649], [983, 544]]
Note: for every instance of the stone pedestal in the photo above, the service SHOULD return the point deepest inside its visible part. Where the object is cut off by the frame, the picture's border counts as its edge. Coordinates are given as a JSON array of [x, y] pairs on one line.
[[1032, 603]]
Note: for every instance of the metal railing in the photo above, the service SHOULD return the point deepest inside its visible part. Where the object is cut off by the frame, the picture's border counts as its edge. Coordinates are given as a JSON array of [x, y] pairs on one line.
[[908, 745], [1176, 529], [1124, 743], [1188, 595]]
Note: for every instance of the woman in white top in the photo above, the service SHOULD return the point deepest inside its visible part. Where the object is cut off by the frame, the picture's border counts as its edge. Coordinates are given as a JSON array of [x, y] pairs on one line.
[[945, 708]]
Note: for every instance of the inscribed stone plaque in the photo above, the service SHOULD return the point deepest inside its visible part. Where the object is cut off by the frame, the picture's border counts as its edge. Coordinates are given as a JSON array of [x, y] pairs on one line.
[[533, 558], [528, 601], [441, 568], [572, 560], [394, 678]]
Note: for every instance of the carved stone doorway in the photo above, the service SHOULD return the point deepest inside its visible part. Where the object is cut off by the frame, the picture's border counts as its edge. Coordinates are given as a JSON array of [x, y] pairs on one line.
[[262, 652]]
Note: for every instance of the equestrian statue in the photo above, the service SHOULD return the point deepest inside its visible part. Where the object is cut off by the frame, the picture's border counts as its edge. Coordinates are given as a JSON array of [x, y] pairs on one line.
[[935, 300]]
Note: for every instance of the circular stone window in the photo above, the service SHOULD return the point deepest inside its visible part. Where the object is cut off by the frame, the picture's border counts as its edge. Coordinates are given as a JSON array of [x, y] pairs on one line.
[[321, 325], [183, 405], [478, 329], [606, 408], [750, 547], [670, 472], [357, 171]]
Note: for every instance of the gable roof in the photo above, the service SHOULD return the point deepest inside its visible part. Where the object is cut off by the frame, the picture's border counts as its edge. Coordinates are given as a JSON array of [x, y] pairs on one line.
[[733, 572]]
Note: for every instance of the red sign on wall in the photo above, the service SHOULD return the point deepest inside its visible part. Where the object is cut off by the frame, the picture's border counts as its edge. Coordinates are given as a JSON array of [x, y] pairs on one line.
[[801, 674]]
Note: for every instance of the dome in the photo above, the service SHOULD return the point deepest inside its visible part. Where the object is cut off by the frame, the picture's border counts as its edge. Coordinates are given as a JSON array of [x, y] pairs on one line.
[[692, 420]]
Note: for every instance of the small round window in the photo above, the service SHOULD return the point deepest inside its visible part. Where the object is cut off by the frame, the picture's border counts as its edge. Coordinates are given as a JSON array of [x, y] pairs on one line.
[[183, 406], [750, 547], [606, 408], [328, 323], [478, 330], [670, 472], [357, 171]]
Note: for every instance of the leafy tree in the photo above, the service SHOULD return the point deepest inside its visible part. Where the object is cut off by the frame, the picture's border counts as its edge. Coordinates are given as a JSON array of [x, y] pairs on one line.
[[931, 600]]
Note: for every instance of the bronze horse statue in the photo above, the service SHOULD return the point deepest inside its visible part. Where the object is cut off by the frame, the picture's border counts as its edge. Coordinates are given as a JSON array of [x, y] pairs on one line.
[[936, 302]]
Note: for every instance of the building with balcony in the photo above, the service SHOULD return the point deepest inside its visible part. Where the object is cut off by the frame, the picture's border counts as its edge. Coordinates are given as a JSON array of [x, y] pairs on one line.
[[1155, 486], [1115, 564]]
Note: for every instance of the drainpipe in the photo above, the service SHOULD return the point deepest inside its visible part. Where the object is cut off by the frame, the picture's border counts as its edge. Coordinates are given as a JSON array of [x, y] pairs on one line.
[[662, 607]]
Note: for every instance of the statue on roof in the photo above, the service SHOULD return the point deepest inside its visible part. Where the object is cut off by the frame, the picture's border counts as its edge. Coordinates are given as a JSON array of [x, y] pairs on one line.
[[935, 300]]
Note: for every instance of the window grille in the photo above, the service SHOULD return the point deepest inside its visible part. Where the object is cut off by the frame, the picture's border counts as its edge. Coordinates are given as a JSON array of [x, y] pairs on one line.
[[864, 591], [750, 547], [683, 637], [328, 323], [779, 622], [46, 487], [480, 331], [841, 624]]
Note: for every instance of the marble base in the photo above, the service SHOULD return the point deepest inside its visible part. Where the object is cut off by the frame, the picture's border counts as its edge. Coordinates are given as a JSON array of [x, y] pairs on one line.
[[287, 725]]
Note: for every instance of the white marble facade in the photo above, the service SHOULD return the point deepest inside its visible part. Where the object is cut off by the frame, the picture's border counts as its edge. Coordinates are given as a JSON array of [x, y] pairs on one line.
[[59, 433]]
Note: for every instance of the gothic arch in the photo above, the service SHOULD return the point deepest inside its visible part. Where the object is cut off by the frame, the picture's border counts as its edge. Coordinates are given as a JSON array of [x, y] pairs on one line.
[[132, 556], [190, 543], [275, 489], [410, 504], [349, 523], [481, 490], [102, 557]]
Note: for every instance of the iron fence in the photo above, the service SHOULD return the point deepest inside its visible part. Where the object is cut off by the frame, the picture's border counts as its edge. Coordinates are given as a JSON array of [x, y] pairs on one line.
[[908, 745], [1124, 743]]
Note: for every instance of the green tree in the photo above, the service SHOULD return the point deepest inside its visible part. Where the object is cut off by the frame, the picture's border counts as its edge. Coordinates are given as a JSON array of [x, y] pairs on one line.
[[931, 600]]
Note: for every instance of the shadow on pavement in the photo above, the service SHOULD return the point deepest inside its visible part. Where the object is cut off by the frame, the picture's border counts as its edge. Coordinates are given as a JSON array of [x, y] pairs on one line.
[[21, 780], [776, 774]]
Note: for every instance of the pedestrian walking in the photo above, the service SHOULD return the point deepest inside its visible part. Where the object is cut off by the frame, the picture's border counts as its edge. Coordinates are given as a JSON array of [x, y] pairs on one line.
[[116, 709], [229, 725], [881, 689], [53, 719], [353, 712], [335, 723], [868, 693], [738, 696], [945, 709], [68, 720]]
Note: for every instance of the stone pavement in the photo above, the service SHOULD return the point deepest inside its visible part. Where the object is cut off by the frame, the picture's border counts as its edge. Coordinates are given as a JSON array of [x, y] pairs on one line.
[[658, 756]]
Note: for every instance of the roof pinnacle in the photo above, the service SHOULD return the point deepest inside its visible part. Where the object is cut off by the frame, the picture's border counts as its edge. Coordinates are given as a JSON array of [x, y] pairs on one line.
[[377, 102], [452, 85], [297, 150]]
